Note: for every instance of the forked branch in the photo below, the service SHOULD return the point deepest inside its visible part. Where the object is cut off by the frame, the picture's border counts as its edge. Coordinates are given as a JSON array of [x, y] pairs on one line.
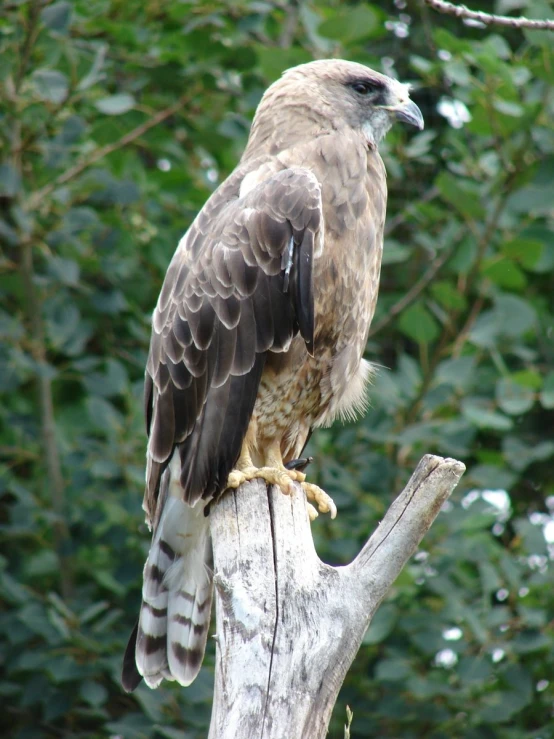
[[288, 625]]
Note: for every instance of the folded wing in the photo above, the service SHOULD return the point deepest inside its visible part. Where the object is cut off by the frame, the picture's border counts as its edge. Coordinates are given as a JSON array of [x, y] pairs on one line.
[[238, 286]]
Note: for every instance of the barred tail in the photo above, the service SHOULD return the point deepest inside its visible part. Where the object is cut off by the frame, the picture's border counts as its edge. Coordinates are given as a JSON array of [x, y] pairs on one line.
[[170, 638]]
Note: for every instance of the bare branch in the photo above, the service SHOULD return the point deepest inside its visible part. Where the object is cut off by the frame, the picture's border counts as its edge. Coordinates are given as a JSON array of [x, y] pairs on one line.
[[413, 293], [35, 199], [402, 217], [406, 522], [461, 11], [50, 450], [30, 37], [289, 625], [290, 25]]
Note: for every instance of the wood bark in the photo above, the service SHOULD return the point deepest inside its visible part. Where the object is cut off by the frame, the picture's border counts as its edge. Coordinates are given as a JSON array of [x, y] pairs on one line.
[[288, 625]]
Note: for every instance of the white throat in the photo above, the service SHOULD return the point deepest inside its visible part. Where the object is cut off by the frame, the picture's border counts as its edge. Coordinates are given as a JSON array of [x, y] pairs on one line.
[[376, 127]]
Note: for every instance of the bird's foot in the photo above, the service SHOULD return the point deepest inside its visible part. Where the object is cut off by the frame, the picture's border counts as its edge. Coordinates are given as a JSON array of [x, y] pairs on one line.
[[323, 501], [284, 479], [281, 477]]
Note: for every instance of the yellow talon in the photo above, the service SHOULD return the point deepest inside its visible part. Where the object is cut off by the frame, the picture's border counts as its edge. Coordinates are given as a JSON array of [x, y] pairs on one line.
[[274, 473], [323, 501], [312, 513]]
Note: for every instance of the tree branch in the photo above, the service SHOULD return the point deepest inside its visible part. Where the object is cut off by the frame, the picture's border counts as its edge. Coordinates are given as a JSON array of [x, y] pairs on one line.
[[461, 11], [400, 218], [406, 522], [47, 419], [412, 293], [30, 36], [288, 625], [37, 197]]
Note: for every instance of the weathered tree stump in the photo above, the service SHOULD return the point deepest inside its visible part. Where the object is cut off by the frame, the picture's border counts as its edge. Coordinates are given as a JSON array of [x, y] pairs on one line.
[[289, 626]]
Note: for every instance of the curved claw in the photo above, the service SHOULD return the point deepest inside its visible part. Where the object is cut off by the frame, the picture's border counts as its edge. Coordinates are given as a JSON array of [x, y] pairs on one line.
[[323, 501], [299, 464]]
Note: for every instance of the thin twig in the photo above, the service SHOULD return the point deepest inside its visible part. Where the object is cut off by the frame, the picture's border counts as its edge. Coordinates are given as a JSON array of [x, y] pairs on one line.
[[289, 26], [413, 293], [401, 217], [47, 419], [461, 11], [468, 325], [28, 42], [35, 199], [33, 309]]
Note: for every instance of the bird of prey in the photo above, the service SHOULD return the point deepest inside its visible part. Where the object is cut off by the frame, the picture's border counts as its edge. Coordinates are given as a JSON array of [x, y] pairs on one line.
[[259, 332]]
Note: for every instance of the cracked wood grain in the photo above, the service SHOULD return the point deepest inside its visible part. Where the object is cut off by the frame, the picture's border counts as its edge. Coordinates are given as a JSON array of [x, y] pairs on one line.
[[288, 625]]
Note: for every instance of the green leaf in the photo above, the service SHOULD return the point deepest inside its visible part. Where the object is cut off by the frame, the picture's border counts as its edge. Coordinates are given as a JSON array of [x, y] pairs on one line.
[[459, 372], [10, 182], [93, 693], [506, 107], [447, 295], [382, 624], [474, 669], [90, 613], [273, 61], [103, 415], [95, 74], [457, 72], [65, 271], [169, 733], [526, 251], [533, 200], [394, 253], [512, 397], [504, 273], [528, 378], [497, 46], [482, 416], [418, 324], [490, 579], [311, 21], [393, 670], [532, 535], [546, 396], [43, 563], [462, 194], [351, 23], [514, 315], [50, 85], [57, 17], [448, 41], [528, 642], [116, 104]]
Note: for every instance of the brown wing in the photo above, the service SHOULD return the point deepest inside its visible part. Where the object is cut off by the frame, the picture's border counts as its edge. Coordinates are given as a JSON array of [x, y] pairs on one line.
[[239, 285]]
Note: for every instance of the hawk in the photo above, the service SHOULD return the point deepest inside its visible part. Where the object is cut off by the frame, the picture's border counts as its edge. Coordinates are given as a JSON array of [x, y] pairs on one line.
[[259, 332]]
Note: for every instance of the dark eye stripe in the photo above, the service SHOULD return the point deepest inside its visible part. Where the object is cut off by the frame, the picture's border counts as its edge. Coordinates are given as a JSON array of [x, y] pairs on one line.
[[364, 87]]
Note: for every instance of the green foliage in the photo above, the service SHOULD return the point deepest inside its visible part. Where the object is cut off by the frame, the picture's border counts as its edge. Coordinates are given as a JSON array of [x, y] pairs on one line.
[[93, 199]]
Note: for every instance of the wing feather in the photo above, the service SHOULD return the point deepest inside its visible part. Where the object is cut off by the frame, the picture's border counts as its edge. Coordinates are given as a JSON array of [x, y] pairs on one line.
[[231, 295], [302, 289], [222, 307]]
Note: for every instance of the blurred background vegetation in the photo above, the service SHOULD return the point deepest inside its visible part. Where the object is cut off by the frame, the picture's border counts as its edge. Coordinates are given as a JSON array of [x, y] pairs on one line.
[[117, 120]]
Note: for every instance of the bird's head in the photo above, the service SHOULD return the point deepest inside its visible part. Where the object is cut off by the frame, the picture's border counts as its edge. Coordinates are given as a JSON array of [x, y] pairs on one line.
[[332, 93]]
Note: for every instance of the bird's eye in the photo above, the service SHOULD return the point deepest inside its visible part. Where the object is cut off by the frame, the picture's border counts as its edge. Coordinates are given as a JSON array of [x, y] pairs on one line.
[[363, 88]]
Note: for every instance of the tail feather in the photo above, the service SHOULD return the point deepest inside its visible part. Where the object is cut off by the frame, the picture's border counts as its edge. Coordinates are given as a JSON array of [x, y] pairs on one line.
[[130, 676], [188, 622], [177, 593]]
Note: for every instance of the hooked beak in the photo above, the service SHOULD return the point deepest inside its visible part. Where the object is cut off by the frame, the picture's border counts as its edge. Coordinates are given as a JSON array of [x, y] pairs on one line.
[[407, 112]]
